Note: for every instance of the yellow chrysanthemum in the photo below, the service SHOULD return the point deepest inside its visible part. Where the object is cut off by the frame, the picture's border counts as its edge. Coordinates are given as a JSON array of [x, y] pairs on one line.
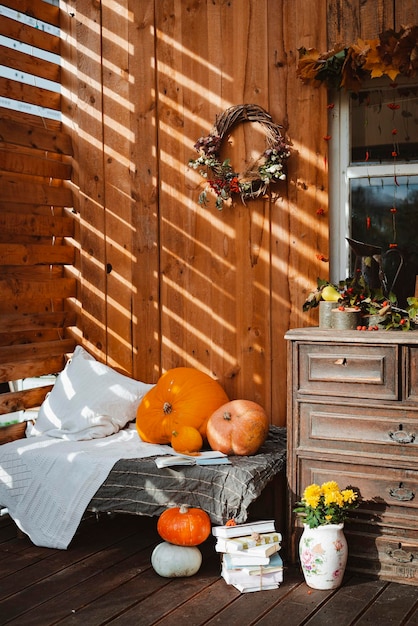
[[349, 496], [311, 495], [333, 497], [326, 504], [329, 486]]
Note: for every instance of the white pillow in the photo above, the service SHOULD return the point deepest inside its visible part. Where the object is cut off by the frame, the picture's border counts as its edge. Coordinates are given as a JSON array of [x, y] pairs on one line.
[[89, 400]]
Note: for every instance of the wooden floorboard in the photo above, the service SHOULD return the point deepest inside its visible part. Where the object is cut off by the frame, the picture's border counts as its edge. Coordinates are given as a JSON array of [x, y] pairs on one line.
[[105, 577]]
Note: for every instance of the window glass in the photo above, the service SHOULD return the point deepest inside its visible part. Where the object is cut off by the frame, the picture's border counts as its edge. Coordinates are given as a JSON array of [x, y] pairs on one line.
[[384, 213], [384, 125]]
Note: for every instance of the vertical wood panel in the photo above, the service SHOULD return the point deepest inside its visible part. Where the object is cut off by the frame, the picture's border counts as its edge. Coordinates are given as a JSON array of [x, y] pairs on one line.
[[406, 12], [144, 194], [348, 21], [176, 248], [343, 21], [116, 52], [373, 17], [83, 111], [281, 59], [308, 175], [296, 233]]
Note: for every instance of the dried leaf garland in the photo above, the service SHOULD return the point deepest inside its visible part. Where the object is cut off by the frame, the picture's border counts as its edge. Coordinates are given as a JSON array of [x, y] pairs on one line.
[[392, 54]]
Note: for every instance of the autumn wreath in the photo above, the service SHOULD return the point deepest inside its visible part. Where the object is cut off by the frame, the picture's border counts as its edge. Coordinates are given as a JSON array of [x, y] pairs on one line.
[[221, 177]]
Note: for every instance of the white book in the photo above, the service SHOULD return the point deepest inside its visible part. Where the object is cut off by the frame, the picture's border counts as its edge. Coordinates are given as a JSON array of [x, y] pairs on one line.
[[240, 530], [265, 550], [258, 551], [250, 589], [249, 541], [273, 564], [233, 577], [209, 457], [242, 559]]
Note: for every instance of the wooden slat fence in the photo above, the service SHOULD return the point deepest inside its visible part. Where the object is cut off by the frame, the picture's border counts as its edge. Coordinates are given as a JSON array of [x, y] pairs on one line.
[[38, 287]]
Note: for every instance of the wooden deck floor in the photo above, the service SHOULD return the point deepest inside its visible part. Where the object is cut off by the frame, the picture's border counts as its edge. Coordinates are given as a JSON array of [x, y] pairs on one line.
[[105, 577]]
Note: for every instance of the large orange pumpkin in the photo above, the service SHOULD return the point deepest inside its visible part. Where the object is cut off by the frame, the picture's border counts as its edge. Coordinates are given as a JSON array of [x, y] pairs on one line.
[[183, 396], [238, 427], [184, 526]]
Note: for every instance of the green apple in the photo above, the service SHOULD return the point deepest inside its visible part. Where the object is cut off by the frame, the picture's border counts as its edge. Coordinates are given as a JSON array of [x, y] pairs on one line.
[[330, 294]]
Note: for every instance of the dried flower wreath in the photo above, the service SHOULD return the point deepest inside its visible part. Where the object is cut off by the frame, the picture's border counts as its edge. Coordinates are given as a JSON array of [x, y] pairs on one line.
[[221, 177]]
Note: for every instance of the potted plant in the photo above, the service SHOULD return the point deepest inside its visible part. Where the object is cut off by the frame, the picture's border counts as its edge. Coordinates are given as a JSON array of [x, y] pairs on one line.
[[323, 547], [375, 309]]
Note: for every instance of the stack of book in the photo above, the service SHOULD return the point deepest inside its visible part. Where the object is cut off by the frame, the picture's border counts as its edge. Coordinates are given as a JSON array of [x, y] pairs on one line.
[[250, 555]]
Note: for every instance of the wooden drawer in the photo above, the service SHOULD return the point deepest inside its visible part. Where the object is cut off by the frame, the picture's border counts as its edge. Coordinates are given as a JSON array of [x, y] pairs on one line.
[[389, 557], [360, 427], [389, 495], [349, 371]]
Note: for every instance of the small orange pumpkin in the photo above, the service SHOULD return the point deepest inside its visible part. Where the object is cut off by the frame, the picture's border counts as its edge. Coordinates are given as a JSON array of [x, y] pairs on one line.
[[183, 396], [238, 427], [184, 526], [186, 440]]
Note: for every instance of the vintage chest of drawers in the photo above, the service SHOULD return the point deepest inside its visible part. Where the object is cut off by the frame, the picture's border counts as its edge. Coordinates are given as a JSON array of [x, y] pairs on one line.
[[353, 418]]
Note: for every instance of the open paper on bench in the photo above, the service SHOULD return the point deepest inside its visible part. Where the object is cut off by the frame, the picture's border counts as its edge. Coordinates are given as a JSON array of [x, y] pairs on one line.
[[209, 457]]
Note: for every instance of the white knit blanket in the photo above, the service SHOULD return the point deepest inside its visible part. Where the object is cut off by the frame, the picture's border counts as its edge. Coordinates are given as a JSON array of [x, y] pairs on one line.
[[46, 484]]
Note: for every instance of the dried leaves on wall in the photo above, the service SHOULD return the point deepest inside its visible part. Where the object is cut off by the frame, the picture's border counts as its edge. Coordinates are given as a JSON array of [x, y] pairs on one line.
[[391, 54]]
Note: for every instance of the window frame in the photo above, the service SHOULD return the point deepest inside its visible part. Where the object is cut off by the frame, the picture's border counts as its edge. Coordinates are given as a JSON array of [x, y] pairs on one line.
[[341, 172]]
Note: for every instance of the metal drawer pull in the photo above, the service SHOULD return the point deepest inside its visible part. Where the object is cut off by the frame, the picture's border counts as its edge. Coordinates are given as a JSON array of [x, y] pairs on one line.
[[342, 361], [401, 493], [400, 436], [400, 555]]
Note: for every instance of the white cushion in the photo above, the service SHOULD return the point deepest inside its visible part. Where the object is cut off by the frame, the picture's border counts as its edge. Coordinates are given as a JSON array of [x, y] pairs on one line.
[[89, 400]]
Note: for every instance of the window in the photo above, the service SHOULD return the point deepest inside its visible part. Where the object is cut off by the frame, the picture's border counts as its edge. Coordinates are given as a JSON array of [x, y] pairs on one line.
[[374, 182]]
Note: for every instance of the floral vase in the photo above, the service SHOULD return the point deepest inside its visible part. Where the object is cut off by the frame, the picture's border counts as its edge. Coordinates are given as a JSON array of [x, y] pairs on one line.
[[323, 555]]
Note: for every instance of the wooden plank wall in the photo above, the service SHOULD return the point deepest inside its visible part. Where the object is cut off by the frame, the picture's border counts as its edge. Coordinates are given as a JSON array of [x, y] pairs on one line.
[[178, 284], [365, 19], [36, 225], [163, 281], [166, 282]]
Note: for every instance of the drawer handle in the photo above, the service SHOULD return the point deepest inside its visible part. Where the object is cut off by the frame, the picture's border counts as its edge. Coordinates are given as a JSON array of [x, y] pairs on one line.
[[400, 436], [342, 361], [401, 493], [400, 555]]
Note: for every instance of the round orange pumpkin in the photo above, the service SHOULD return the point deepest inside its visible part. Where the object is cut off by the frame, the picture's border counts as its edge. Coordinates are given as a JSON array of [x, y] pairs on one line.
[[187, 440], [183, 396], [238, 427], [184, 526]]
